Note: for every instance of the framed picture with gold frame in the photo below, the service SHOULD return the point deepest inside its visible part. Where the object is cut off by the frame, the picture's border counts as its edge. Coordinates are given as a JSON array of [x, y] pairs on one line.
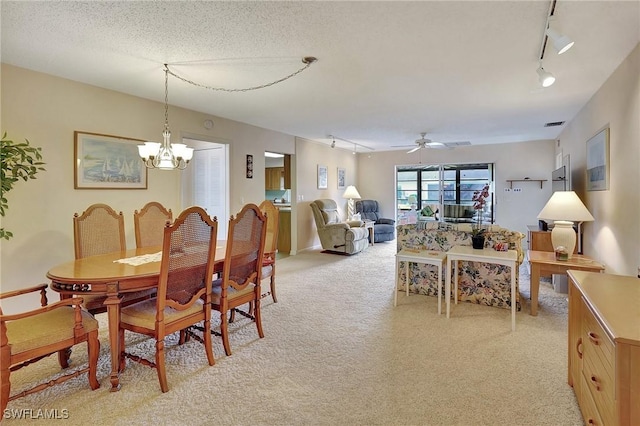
[[107, 162]]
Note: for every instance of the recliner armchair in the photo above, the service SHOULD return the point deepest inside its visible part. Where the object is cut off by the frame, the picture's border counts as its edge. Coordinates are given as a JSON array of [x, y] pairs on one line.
[[336, 236], [383, 229]]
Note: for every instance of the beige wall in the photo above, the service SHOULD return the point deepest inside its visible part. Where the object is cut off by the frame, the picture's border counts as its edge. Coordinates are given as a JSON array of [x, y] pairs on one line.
[[614, 236], [514, 210], [310, 154], [46, 110]]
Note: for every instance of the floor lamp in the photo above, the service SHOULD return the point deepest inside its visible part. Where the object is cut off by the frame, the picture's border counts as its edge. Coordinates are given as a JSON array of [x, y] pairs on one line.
[[564, 208], [351, 193]]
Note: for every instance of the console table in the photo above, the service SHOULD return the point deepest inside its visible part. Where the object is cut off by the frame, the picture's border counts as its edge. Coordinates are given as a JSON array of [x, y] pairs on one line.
[[457, 253], [429, 257]]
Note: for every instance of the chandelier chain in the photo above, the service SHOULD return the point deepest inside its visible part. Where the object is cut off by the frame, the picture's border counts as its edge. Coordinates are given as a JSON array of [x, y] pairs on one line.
[[308, 60], [166, 98]]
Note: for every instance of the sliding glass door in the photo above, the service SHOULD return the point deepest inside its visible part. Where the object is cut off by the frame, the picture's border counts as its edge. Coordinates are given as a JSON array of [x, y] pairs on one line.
[[443, 192]]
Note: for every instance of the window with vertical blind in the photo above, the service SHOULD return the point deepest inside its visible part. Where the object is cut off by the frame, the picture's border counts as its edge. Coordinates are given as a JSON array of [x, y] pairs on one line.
[[439, 185]]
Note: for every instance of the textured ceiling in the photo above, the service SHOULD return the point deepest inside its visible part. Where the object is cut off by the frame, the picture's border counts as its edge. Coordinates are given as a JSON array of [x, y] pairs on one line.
[[386, 71]]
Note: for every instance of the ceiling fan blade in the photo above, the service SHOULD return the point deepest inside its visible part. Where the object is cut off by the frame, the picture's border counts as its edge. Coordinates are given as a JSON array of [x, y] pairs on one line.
[[436, 145], [414, 149]]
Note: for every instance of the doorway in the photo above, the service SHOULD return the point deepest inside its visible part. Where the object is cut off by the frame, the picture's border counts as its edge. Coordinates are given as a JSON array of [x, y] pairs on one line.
[[206, 181]]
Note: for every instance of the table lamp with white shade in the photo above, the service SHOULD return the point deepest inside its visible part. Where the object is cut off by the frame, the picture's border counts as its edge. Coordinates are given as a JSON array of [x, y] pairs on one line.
[[351, 193], [564, 208]]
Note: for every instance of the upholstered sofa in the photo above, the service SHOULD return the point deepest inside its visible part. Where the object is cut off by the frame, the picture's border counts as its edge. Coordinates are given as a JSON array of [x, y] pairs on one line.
[[335, 235], [383, 229], [478, 282]]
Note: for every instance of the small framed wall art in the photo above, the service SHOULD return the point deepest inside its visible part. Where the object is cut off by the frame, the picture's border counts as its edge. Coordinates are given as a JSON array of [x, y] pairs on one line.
[[598, 161], [107, 162], [322, 177], [249, 166], [342, 177]]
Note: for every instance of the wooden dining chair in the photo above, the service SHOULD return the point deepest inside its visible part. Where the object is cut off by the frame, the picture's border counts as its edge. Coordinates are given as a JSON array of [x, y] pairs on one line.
[[270, 246], [239, 283], [184, 289], [30, 336], [149, 224], [100, 230]]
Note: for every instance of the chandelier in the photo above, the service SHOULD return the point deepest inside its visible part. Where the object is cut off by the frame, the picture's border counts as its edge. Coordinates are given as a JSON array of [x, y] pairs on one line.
[[165, 155]]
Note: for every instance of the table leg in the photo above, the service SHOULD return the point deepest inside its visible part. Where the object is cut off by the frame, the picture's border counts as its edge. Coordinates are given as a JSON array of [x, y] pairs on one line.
[[113, 315], [406, 278], [447, 287], [439, 288], [513, 297], [64, 355], [455, 280], [534, 288], [395, 293]]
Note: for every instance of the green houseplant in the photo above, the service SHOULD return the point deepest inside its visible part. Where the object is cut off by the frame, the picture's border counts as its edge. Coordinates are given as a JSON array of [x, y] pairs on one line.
[[19, 161]]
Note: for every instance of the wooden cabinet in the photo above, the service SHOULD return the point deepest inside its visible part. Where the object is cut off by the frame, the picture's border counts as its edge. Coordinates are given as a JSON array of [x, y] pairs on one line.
[[541, 240], [274, 178], [604, 347], [284, 231], [287, 171]]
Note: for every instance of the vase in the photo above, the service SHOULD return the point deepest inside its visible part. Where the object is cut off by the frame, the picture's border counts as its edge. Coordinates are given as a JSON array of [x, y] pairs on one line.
[[477, 241]]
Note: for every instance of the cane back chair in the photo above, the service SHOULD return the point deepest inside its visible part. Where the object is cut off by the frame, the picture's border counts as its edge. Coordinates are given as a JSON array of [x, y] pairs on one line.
[[270, 246], [100, 230], [184, 289], [241, 274], [149, 224]]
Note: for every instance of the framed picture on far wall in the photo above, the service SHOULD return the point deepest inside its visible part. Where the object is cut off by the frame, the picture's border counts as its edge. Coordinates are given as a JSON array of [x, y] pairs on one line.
[[598, 161], [107, 162], [249, 166], [342, 177], [322, 177]]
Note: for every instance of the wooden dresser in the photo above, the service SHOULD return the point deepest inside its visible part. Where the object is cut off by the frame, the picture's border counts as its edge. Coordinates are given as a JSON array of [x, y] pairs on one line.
[[604, 347]]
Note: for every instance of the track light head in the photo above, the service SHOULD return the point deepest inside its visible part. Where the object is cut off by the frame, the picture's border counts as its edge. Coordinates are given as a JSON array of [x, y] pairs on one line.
[[561, 42], [333, 143], [545, 77]]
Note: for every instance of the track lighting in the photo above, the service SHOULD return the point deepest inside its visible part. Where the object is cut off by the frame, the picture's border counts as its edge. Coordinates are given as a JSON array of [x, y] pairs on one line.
[[545, 77], [561, 42], [347, 141]]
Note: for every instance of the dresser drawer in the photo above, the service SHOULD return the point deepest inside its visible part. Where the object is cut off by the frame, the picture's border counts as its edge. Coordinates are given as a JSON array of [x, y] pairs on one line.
[[588, 406], [598, 366]]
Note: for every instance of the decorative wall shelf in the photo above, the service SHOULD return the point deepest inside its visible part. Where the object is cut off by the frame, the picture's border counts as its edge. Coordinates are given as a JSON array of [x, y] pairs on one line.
[[525, 180]]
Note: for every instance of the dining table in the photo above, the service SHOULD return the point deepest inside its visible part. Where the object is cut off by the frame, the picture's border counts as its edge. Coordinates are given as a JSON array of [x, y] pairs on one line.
[[112, 275]]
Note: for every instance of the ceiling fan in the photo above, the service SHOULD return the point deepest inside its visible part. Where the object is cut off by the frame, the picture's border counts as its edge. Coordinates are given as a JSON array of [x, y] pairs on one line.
[[428, 143]]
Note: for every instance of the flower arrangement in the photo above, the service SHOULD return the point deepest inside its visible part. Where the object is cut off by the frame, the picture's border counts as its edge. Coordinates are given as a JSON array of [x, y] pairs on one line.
[[479, 202]]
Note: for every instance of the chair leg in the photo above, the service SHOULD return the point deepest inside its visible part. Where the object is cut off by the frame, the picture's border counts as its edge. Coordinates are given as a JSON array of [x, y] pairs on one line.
[[258, 317], [208, 343], [93, 349], [5, 384], [160, 367], [224, 331], [64, 356], [273, 285], [123, 360]]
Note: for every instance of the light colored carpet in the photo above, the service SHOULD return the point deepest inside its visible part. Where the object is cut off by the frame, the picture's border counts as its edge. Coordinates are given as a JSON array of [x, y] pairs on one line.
[[337, 352]]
